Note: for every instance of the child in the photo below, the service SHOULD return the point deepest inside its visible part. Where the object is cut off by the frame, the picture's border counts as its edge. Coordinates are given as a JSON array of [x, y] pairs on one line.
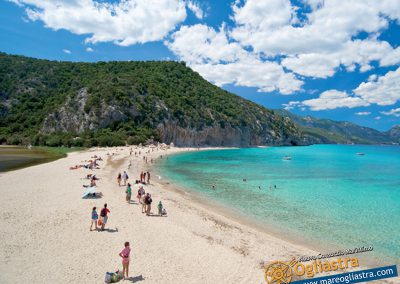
[[94, 218], [160, 208]]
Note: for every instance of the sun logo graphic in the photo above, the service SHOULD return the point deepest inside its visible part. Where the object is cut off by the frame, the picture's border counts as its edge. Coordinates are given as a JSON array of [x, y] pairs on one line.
[[279, 272]]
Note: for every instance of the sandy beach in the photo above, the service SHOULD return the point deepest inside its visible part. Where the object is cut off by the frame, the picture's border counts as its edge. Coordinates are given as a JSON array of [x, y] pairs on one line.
[[44, 228]]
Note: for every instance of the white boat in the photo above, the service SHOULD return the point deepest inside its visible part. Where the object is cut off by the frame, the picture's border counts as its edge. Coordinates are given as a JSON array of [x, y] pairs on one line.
[[360, 154], [287, 158]]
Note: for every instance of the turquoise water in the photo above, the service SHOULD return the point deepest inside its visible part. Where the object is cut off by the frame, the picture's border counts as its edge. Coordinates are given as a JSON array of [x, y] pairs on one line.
[[326, 194]]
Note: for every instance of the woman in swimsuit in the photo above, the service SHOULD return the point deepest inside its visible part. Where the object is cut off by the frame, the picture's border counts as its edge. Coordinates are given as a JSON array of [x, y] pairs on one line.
[[124, 254]]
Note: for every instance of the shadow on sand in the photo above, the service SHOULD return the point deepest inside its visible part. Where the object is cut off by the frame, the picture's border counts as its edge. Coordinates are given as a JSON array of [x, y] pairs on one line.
[[109, 230], [156, 215], [135, 279]]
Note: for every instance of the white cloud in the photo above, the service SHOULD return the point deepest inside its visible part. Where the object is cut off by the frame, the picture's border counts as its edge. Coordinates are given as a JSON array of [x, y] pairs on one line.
[[215, 57], [324, 40], [195, 8], [363, 113], [292, 105], [333, 99], [67, 51], [395, 112], [383, 91], [89, 49], [380, 90], [125, 22]]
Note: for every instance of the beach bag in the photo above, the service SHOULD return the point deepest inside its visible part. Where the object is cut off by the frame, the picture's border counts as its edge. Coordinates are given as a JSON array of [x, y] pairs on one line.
[[100, 222], [108, 276]]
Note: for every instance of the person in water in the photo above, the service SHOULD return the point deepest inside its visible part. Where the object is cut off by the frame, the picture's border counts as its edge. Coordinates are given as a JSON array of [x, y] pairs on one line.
[[95, 217], [124, 254]]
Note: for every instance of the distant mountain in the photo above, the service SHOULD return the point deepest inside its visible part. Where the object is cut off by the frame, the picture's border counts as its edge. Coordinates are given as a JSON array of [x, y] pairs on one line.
[[320, 131], [394, 133], [112, 103]]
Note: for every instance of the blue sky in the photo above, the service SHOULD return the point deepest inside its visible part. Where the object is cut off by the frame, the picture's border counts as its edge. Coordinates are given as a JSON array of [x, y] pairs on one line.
[[329, 59]]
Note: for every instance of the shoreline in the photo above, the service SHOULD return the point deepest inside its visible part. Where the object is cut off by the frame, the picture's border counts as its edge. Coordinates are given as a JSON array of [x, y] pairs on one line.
[[45, 219], [263, 227]]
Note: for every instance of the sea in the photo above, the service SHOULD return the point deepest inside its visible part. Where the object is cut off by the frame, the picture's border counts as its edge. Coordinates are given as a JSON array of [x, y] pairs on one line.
[[333, 196]]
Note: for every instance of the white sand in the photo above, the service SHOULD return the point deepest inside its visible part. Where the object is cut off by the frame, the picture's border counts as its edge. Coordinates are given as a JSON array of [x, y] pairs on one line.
[[45, 237]]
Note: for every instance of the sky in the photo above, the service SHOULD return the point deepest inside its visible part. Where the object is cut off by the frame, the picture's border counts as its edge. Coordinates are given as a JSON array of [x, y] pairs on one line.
[[330, 59]]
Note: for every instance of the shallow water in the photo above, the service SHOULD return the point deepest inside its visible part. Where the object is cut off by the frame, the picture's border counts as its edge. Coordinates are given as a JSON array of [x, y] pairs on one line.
[[13, 157], [326, 194]]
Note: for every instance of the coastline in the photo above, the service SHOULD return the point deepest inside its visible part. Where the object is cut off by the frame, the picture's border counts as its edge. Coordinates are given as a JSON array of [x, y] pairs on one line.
[[46, 237], [270, 229]]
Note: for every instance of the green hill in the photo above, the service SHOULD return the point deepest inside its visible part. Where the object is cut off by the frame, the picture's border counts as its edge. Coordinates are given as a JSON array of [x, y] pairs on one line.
[[112, 103]]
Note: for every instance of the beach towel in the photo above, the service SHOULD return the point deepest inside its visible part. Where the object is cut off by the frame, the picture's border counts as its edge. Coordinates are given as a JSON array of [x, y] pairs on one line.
[[89, 190]]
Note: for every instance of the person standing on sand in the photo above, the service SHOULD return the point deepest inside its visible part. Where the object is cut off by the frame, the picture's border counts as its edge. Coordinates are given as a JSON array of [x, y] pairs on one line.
[[144, 177], [104, 218], [125, 177], [95, 216], [148, 204], [141, 192], [148, 177], [160, 208], [143, 201], [141, 177], [124, 254], [128, 193], [119, 179]]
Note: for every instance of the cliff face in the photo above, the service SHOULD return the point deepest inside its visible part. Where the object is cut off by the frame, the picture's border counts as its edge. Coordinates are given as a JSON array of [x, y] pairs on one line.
[[225, 136], [72, 117], [113, 103]]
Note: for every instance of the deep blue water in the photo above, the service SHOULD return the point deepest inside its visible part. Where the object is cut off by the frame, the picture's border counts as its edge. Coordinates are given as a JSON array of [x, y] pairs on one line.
[[326, 193]]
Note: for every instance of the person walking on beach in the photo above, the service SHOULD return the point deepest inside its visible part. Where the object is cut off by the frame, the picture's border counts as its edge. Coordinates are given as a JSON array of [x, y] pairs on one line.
[[148, 204], [148, 177], [141, 192], [128, 193], [143, 201], [104, 216], [144, 177], [124, 254], [95, 217], [119, 179], [125, 177], [141, 177]]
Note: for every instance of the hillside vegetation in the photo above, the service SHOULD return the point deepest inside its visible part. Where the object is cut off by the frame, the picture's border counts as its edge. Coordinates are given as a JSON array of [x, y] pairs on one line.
[[112, 103]]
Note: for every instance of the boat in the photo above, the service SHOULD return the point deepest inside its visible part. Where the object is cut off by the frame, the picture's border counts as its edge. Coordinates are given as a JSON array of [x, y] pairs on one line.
[[360, 154], [287, 158]]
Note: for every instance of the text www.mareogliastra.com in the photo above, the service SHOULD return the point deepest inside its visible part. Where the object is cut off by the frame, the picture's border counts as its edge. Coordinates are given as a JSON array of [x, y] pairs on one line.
[[354, 277]]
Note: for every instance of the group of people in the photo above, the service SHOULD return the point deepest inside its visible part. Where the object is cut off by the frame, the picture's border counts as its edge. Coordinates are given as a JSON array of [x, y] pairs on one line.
[[99, 221], [123, 177], [102, 221], [145, 177], [144, 199]]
